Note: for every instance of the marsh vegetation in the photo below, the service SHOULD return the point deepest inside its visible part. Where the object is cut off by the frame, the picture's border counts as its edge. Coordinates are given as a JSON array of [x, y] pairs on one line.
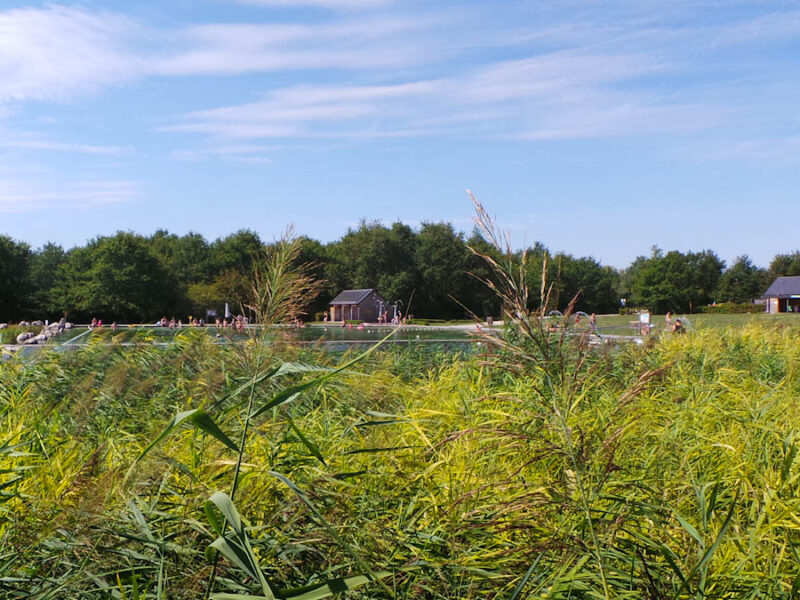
[[539, 469]]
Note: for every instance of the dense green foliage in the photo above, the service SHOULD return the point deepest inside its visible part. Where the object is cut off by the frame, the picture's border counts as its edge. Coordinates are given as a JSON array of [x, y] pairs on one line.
[[14, 283], [128, 277], [658, 472], [674, 281], [785, 265], [541, 468], [742, 281], [732, 308]]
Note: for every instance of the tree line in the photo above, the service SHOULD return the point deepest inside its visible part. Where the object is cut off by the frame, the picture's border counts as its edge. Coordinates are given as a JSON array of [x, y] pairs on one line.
[[133, 278]]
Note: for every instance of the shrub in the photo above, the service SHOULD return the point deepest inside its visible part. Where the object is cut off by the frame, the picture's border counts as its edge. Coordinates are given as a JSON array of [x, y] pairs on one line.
[[732, 308]]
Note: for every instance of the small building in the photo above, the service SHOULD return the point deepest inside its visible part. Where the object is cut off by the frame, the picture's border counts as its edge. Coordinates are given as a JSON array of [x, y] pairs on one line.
[[358, 305], [783, 295]]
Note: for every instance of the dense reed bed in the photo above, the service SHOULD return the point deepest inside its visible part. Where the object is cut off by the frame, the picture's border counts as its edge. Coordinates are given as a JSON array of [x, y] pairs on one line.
[[539, 469], [661, 472]]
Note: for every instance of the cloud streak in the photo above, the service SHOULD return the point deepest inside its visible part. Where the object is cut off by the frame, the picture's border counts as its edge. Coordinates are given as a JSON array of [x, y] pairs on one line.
[[36, 143], [329, 4], [358, 44], [571, 80], [55, 53], [556, 95], [572, 72], [26, 196], [60, 52]]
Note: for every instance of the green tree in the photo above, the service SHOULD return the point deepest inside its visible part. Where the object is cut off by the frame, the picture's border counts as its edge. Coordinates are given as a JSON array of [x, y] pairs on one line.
[[313, 257], [596, 285], [117, 278], [230, 265], [374, 256], [742, 282], [703, 272], [673, 281], [231, 287], [656, 282], [479, 298], [785, 265], [14, 279], [235, 252], [46, 294], [186, 257], [442, 261], [187, 260]]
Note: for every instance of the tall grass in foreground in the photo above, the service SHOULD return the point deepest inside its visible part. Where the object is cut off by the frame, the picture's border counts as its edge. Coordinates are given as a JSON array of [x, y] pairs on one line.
[[612, 524], [458, 481], [538, 471]]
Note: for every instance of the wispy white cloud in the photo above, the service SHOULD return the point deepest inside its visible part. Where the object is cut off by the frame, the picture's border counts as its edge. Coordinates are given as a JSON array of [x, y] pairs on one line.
[[779, 151], [358, 44], [28, 196], [247, 153], [770, 28], [54, 53], [555, 75], [330, 4], [581, 69], [60, 52], [12, 138], [553, 95], [293, 112], [37, 143], [628, 76]]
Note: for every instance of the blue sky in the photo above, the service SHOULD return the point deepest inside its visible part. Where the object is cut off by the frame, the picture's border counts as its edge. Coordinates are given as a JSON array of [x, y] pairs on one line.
[[599, 128]]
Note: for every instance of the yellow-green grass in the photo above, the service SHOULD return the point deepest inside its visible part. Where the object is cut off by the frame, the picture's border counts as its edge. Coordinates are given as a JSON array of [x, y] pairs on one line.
[[703, 320], [656, 472]]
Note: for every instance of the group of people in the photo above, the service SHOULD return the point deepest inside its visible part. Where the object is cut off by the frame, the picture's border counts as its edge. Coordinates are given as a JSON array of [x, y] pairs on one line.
[[383, 318], [172, 323], [592, 321], [556, 324], [98, 324], [674, 326], [177, 324], [238, 322]]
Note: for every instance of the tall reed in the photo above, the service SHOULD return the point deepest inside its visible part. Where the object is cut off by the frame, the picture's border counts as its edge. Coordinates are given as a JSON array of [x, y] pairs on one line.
[[540, 469]]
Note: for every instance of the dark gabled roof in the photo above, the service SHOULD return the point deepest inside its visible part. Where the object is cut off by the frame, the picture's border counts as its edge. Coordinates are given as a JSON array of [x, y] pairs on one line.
[[352, 296], [783, 287]]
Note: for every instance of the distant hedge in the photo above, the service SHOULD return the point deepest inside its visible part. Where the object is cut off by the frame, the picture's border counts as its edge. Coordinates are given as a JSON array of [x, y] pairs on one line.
[[732, 308]]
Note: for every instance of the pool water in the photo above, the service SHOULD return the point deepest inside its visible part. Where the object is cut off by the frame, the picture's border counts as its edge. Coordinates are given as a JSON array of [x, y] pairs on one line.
[[305, 335]]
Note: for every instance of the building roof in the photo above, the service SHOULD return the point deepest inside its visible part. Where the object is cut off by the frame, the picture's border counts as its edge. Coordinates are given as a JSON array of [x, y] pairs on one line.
[[356, 296], [783, 287]]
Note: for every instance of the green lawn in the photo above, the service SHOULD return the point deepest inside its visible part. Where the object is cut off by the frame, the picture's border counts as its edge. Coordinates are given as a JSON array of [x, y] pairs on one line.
[[705, 321]]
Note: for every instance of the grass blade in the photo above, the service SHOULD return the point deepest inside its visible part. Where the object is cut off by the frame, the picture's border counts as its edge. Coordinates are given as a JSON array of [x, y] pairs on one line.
[[197, 417]]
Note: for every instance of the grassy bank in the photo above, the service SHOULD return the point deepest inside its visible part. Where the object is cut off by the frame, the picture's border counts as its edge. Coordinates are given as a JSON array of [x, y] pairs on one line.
[[709, 321], [657, 472], [10, 333]]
